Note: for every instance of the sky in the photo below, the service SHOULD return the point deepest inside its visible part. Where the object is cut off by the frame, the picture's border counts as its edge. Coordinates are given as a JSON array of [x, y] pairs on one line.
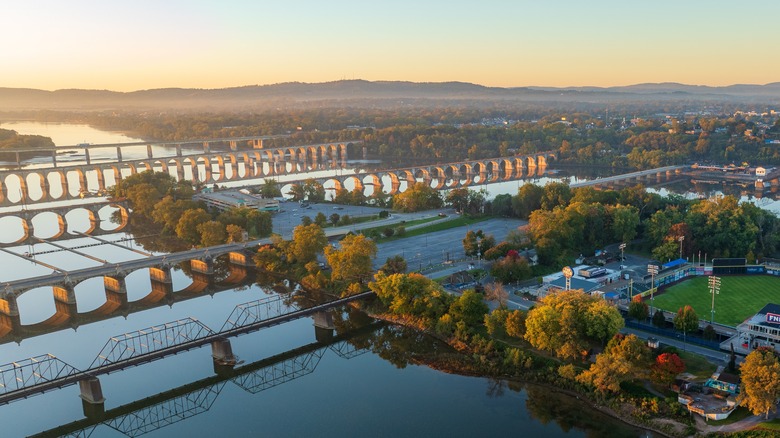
[[145, 44]]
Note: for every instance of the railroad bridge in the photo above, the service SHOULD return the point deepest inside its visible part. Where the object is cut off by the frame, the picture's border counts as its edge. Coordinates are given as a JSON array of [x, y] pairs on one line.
[[442, 176], [71, 181]]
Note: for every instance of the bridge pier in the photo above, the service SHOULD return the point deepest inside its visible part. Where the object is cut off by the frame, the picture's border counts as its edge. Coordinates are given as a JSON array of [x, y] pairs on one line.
[[205, 266], [92, 400], [233, 145], [161, 274], [323, 326], [206, 147], [222, 353], [116, 289], [257, 143]]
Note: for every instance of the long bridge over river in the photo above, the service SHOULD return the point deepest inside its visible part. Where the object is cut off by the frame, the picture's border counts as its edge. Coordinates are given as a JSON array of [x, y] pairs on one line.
[[27, 377], [23, 186]]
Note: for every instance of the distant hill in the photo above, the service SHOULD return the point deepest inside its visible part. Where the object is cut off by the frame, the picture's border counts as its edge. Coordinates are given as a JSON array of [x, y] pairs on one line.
[[296, 94]]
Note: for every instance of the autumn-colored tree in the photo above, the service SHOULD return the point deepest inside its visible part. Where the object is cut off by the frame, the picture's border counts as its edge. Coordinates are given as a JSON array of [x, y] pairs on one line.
[[625, 358], [307, 242], [187, 229], [234, 233], [212, 233], [565, 323], [638, 309], [686, 319], [353, 261], [760, 387], [515, 324], [496, 292], [419, 196], [411, 294], [667, 366]]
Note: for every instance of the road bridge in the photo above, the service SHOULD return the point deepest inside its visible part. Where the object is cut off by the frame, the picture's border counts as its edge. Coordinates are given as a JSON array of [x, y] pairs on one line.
[[637, 177]]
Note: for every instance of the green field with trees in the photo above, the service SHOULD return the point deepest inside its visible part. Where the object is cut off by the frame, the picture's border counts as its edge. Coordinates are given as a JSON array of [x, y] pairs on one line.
[[740, 297]]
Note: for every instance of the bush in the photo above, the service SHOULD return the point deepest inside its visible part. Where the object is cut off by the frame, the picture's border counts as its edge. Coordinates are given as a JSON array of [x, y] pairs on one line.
[[388, 232], [384, 214], [400, 231]]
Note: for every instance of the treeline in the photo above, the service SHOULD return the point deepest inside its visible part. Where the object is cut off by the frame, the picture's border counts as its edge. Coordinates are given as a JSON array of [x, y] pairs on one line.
[[565, 222], [442, 134], [158, 200], [10, 139]]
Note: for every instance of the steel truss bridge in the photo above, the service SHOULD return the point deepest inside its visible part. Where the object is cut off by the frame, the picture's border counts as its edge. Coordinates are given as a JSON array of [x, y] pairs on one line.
[[24, 378], [178, 404]]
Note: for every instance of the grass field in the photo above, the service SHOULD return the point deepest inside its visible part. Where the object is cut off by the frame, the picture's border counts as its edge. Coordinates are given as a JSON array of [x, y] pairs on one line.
[[740, 297]]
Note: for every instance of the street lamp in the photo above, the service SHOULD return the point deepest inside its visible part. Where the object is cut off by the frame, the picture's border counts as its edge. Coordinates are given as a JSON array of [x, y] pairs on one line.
[[681, 238], [714, 286], [653, 271]]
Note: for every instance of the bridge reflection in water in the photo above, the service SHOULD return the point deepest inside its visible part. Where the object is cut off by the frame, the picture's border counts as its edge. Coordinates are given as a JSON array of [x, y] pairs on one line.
[[179, 404], [217, 275]]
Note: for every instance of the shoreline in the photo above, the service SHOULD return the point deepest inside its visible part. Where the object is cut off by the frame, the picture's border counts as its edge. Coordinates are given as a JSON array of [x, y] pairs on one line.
[[462, 349]]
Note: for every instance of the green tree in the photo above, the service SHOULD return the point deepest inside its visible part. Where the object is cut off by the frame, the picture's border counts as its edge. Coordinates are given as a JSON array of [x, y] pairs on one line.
[[638, 309], [412, 294], [760, 386], [320, 219], [602, 321], [658, 318], [686, 319], [270, 189], [334, 219], [394, 265], [528, 199], [625, 221], [555, 194], [187, 229], [469, 308]]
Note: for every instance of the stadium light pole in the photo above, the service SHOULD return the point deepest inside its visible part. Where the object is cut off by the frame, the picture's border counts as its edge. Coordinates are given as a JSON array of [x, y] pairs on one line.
[[681, 238], [653, 271], [714, 283]]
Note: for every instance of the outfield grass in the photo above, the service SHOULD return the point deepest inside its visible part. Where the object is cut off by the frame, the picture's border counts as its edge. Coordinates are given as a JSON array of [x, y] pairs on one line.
[[740, 297]]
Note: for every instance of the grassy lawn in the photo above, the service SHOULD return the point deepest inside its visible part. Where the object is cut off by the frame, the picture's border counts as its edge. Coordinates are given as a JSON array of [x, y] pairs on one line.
[[697, 365], [740, 297], [405, 224], [438, 226], [770, 425]]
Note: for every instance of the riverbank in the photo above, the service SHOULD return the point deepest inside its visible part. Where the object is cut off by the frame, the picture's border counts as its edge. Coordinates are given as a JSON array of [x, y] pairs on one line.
[[465, 364]]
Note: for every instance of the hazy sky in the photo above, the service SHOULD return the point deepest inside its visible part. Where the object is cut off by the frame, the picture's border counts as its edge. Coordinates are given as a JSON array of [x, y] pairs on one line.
[[141, 44]]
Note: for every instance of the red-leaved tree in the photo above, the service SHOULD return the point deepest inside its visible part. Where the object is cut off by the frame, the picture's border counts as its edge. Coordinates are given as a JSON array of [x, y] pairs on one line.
[[666, 367]]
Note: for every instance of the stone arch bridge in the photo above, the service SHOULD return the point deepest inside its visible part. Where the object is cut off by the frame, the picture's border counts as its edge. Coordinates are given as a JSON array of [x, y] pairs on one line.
[[206, 167]]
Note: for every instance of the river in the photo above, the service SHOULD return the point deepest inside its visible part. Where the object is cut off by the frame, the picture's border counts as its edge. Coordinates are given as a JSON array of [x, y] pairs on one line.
[[375, 383]]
